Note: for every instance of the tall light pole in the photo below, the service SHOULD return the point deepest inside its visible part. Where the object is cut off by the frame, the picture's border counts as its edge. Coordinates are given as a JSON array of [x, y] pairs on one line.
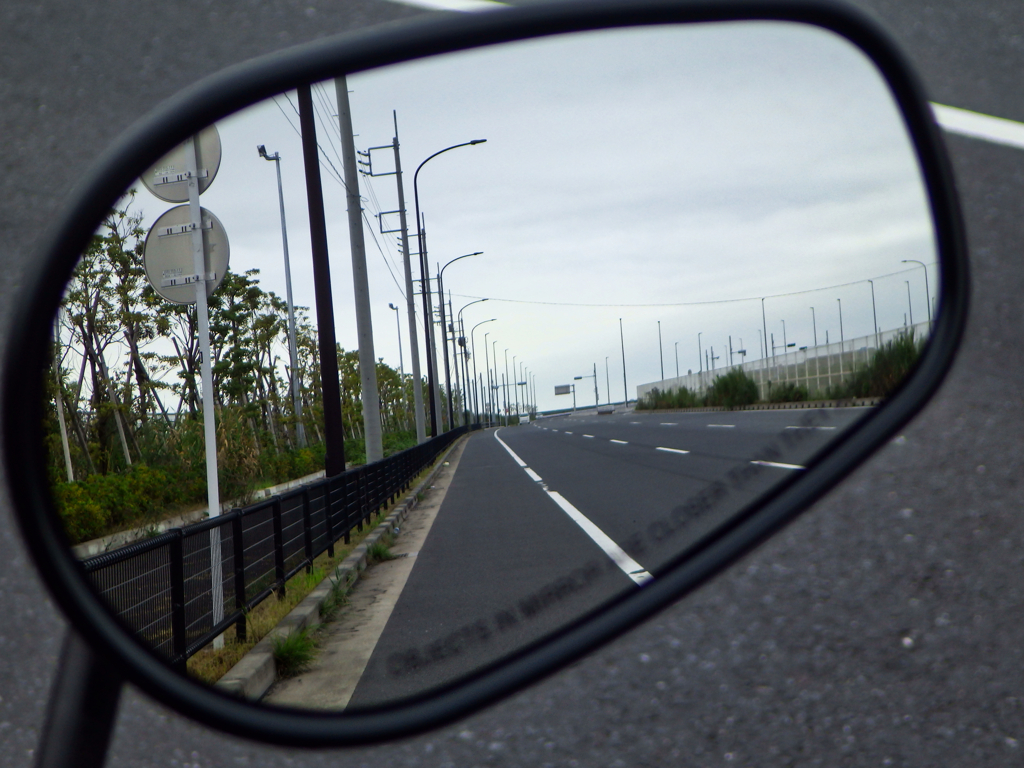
[[677, 359], [927, 293], [515, 389], [661, 352], [293, 354], [428, 310], [401, 364], [444, 334], [472, 344], [462, 342], [814, 324], [625, 387], [496, 392], [910, 305], [841, 337], [508, 413], [700, 354], [873, 315], [764, 325], [607, 382]]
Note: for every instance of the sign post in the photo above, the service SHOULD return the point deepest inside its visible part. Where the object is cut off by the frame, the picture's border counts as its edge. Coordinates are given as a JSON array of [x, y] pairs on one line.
[[185, 262]]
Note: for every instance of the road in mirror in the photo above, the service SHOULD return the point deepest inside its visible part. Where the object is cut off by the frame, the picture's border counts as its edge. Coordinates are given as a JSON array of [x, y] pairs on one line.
[[675, 265]]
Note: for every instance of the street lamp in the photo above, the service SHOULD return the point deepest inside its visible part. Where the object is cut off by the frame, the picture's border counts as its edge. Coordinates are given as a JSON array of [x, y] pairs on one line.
[[401, 364], [300, 430], [428, 311], [814, 324], [910, 305], [444, 332], [465, 356], [472, 344], [927, 293], [873, 315], [661, 352], [677, 359]]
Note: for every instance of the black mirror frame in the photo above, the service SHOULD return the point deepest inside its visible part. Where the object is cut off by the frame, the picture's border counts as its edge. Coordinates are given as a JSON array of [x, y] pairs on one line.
[[241, 85]]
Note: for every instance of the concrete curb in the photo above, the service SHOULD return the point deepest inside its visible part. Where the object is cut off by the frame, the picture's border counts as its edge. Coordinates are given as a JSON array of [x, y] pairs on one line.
[[853, 402], [253, 675]]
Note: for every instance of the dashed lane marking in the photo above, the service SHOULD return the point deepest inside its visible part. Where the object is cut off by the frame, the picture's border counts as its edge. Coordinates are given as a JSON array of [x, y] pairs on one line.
[[671, 450], [626, 564], [778, 465]]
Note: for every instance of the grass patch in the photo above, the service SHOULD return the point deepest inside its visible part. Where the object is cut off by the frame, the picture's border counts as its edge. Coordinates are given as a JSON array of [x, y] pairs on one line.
[[209, 665], [380, 550], [292, 654]]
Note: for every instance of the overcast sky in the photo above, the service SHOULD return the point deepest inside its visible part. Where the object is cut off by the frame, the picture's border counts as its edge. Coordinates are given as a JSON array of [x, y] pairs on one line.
[[652, 174]]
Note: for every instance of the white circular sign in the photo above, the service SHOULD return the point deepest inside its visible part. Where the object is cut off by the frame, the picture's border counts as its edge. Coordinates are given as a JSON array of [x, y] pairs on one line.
[[168, 254], [166, 178]]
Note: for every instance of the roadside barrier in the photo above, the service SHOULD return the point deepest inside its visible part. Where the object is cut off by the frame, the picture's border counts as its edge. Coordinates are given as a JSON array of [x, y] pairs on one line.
[[163, 587]]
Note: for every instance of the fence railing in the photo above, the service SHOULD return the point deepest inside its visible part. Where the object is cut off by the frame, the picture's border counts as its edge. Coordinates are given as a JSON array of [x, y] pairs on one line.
[[166, 588]]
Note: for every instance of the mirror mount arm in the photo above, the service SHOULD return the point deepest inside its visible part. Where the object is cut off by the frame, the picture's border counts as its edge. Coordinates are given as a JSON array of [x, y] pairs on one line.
[[82, 708]]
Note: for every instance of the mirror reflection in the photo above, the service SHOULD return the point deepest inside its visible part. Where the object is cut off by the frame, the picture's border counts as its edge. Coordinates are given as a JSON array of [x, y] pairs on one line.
[[665, 268]]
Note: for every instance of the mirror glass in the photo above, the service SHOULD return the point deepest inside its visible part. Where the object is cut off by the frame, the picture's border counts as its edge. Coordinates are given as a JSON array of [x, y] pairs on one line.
[[629, 228]]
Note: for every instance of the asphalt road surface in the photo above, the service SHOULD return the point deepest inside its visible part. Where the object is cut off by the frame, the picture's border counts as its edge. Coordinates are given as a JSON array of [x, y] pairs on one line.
[[885, 627], [545, 522]]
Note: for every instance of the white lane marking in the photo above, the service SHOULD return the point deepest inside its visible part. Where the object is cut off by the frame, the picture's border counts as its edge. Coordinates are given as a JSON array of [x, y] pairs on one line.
[[980, 126], [778, 465], [723, 426], [810, 427], [462, 6], [626, 564], [620, 442], [588, 436], [671, 450], [568, 432], [669, 424], [553, 429], [634, 422]]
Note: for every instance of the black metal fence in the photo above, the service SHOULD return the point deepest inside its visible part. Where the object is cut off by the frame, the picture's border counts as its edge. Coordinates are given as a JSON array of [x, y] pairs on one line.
[[163, 588]]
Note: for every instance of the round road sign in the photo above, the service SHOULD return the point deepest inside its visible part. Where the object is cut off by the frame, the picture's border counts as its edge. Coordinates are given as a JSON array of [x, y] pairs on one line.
[[166, 178], [168, 254]]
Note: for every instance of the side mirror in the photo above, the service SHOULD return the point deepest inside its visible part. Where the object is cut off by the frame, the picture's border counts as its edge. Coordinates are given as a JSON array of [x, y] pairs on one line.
[[661, 181]]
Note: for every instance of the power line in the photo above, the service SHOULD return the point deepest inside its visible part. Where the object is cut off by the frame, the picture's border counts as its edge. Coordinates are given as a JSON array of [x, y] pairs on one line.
[[689, 303]]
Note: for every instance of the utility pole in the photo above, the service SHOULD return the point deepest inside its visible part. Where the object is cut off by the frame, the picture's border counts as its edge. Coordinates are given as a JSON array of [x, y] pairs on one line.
[[625, 388], [814, 325], [607, 382], [300, 429], [661, 352], [410, 298], [360, 282], [334, 435]]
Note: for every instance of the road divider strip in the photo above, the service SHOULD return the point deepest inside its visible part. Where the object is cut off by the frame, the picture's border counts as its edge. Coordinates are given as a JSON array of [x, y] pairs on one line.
[[626, 564]]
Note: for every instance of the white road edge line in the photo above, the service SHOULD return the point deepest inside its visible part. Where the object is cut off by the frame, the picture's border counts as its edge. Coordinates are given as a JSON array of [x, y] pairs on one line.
[[626, 564], [461, 6], [672, 450], [778, 465], [620, 442], [998, 130]]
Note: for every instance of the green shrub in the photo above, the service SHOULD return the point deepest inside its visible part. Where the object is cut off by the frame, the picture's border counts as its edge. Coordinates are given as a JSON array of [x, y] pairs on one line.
[[788, 392], [294, 653], [672, 398], [732, 390], [889, 366]]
